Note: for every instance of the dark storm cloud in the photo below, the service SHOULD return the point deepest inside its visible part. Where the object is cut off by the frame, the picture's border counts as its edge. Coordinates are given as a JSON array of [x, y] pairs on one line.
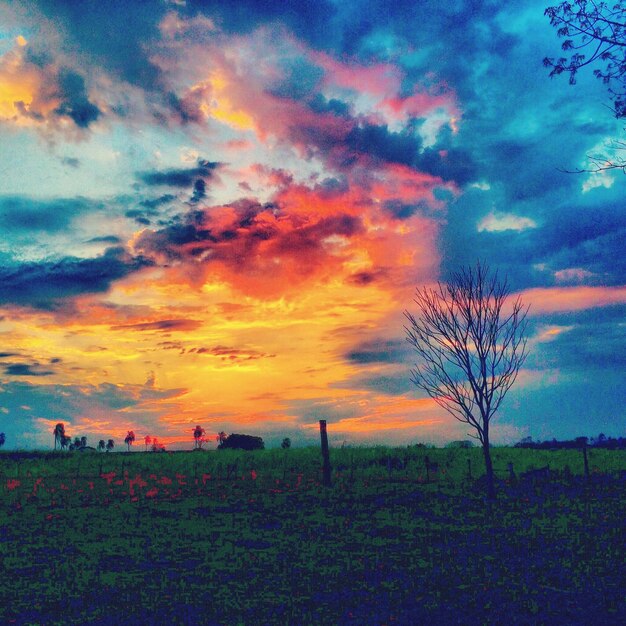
[[310, 20], [114, 34], [154, 203], [250, 238], [231, 354], [319, 104], [161, 325], [199, 191], [380, 351], [402, 211], [379, 142], [21, 213], [381, 145], [112, 239], [74, 101], [25, 369], [47, 284], [185, 177]]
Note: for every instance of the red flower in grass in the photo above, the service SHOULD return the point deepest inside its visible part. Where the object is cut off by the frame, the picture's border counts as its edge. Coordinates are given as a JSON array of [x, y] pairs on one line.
[[138, 481], [152, 493], [13, 483], [108, 477]]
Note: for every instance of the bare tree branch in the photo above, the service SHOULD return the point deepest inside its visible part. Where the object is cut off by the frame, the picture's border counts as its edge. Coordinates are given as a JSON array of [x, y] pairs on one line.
[[469, 349]]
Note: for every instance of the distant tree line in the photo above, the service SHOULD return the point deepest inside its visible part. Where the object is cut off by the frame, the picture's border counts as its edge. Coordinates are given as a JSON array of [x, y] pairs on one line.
[[601, 441], [235, 441]]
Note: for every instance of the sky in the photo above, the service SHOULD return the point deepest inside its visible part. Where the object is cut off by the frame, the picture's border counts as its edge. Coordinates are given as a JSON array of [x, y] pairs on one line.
[[215, 213]]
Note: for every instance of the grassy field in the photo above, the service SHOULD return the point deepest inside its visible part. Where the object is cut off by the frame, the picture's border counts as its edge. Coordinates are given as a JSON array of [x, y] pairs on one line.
[[254, 538]]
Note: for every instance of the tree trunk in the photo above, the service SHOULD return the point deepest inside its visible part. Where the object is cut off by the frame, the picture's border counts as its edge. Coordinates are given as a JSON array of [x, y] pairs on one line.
[[491, 491]]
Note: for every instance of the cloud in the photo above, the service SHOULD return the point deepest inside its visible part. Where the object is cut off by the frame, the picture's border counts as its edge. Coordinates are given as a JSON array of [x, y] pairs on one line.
[[161, 325], [99, 411], [23, 213], [71, 162], [74, 102], [24, 369], [497, 222], [560, 299], [46, 284], [185, 177], [572, 275], [112, 239], [37, 90], [112, 36], [246, 241], [380, 351], [230, 354]]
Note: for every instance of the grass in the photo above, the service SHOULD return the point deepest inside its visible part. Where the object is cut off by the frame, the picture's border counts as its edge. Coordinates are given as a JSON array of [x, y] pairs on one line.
[[253, 538]]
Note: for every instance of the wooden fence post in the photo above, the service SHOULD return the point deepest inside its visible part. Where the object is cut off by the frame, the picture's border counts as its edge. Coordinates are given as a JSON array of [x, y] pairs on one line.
[[509, 466], [325, 455]]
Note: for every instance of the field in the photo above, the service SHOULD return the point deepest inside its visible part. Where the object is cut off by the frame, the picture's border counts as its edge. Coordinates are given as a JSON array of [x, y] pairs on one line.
[[231, 538]]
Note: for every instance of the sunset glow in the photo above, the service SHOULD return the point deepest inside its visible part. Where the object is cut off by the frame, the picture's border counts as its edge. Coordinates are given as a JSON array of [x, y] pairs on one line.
[[216, 216]]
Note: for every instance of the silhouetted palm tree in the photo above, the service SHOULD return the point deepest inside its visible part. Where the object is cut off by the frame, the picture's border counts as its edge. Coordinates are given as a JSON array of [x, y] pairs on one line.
[[221, 437], [110, 445], [147, 440], [101, 445], [2, 439], [130, 437], [59, 433], [198, 435]]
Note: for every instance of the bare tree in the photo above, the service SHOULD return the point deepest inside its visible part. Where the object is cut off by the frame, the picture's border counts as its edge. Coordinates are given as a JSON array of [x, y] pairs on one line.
[[470, 346], [594, 34]]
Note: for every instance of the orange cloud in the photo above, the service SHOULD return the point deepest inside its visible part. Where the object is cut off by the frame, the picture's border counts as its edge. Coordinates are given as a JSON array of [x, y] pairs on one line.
[[556, 299]]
